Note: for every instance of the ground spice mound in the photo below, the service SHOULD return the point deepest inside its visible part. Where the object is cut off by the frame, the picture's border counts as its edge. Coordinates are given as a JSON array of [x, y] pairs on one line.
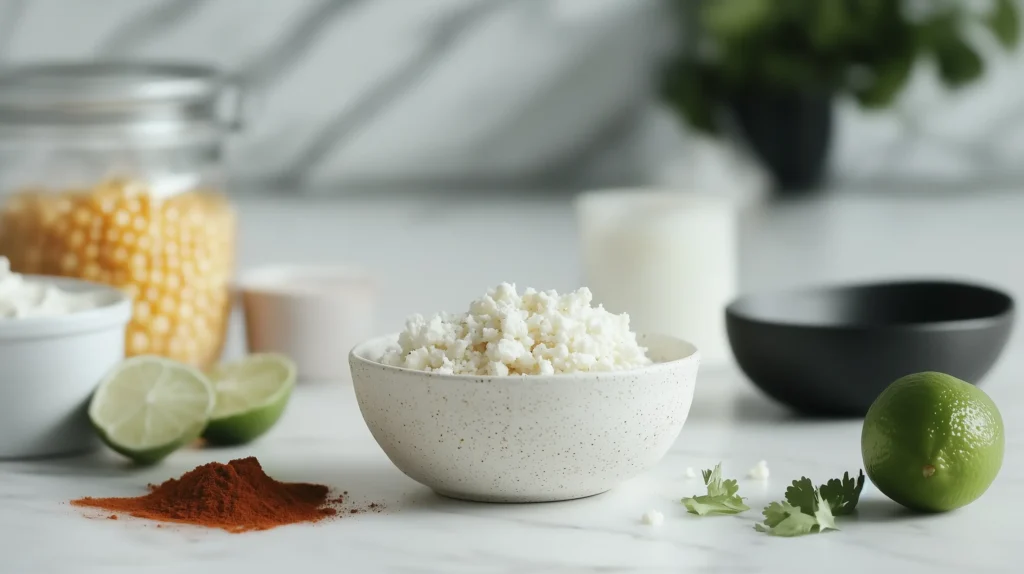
[[236, 497]]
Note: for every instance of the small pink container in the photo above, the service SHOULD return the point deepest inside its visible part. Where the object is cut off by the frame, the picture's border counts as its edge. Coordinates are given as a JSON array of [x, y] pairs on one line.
[[312, 314]]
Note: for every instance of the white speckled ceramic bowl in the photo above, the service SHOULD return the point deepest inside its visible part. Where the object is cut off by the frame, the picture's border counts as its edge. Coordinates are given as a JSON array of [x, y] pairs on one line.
[[526, 439]]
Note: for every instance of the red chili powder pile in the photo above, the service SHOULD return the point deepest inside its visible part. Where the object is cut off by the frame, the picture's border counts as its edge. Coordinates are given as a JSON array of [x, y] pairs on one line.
[[236, 497]]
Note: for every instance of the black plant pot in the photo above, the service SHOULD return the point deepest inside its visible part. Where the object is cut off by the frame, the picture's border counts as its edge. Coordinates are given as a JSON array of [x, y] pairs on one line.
[[790, 132]]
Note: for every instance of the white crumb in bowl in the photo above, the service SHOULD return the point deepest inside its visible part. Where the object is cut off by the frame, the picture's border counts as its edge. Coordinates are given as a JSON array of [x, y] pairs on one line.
[[508, 333], [690, 473], [23, 298], [759, 472], [653, 518]]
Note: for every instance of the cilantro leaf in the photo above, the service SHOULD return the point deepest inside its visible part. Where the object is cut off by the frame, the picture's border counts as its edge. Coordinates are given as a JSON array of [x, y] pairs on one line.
[[704, 505], [721, 497], [776, 512], [728, 488], [801, 495], [843, 495], [784, 519], [717, 486], [823, 513], [805, 511]]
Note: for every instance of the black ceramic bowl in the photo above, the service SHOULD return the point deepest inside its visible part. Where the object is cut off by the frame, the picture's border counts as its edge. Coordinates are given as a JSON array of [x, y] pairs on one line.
[[831, 351]]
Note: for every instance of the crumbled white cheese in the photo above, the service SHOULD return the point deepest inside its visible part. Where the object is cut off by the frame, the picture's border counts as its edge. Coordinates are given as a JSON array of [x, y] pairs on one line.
[[505, 333], [653, 518], [759, 472], [690, 473], [20, 298]]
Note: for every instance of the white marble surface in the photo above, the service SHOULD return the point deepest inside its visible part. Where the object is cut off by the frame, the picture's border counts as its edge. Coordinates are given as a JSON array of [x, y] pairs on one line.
[[434, 253]]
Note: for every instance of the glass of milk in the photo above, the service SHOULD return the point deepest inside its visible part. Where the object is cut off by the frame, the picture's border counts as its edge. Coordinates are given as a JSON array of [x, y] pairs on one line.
[[667, 258]]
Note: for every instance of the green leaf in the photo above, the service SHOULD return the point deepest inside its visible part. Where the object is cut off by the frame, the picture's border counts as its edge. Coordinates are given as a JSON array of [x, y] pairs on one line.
[[890, 77], [784, 519], [724, 488], [790, 71], [734, 505], [721, 497], [775, 513], [713, 475], [830, 24], [873, 10], [942, 35], [801, 495], [1004, 21], [959, 63], [736, 18], [937, 31], [807, 509], [704, 505], [700, 505], [692, 90], [843, 494], [823, 514]]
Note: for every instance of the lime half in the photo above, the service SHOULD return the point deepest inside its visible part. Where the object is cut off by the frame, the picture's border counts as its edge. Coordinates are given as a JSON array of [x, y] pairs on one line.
[[147, 407], [251, 395]]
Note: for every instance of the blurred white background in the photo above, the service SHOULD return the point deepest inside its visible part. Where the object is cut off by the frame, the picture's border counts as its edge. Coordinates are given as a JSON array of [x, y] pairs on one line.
[[492, 94]]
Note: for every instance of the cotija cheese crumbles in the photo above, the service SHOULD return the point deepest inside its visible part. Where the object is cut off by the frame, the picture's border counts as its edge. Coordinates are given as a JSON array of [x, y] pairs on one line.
[[505, 333]]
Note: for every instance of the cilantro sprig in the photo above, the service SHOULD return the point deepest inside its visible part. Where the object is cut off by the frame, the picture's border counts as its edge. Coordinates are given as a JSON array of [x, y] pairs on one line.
[[809, 509], [788, 519], [843, 494], [721, 497]]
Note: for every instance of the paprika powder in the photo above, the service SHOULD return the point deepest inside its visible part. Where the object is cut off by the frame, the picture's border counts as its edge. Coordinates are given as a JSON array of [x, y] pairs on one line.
[[237, 497]]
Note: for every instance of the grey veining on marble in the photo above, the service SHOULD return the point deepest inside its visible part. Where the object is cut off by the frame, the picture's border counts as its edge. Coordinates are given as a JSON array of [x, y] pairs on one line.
[[491, 93], [393, 91], [143, 26], [321, 437]]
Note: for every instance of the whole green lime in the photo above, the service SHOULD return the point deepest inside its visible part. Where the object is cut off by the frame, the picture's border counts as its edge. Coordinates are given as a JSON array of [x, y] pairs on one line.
[[932, 442]]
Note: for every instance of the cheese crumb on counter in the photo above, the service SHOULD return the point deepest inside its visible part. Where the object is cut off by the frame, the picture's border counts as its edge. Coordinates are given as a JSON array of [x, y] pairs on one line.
[[759, 472], [505, 333], [653, 518]]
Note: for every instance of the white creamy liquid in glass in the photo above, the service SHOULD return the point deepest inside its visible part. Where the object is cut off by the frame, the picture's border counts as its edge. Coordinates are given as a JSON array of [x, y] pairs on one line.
[[668, 259]]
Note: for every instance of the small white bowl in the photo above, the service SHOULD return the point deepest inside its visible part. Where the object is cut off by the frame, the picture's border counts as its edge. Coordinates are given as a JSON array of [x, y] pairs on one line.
[[49, 367], [312, 314], [526, 438]]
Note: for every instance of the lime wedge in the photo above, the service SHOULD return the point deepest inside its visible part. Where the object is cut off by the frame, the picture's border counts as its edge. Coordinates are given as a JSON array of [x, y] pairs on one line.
[[147, 407], [251, 395]]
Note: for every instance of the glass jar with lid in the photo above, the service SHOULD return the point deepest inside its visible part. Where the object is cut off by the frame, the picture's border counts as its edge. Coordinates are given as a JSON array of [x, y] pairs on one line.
[[113, 172]]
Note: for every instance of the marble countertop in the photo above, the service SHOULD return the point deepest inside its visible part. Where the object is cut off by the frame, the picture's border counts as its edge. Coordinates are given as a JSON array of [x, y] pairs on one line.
[[322, 439]]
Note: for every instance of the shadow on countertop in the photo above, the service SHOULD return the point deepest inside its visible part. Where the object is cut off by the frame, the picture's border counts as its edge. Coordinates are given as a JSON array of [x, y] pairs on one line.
[[883, 510]]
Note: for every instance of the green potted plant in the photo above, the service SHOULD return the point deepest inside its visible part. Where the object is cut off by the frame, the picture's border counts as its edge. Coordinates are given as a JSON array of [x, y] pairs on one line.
[[777, 65]]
